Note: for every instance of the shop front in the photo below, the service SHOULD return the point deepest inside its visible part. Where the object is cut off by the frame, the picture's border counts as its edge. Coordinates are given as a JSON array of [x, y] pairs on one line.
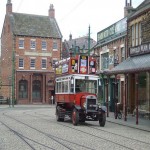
[[34, 87], [133, 87]]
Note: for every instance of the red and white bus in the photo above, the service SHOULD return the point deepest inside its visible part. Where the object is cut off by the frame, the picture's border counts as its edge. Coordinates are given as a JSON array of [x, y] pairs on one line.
[[76, 90]]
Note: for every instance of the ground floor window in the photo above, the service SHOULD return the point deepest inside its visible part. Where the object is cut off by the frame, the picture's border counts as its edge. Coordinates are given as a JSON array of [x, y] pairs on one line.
[[23, 89], [143, 91]]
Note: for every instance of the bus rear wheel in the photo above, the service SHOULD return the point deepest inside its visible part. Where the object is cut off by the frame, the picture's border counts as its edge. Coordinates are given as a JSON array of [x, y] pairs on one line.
[[75, 117], [58, 114]]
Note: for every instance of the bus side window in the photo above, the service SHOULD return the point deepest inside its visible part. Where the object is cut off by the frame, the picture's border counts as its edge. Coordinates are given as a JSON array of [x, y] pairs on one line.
[[78, 88], [71, 88]]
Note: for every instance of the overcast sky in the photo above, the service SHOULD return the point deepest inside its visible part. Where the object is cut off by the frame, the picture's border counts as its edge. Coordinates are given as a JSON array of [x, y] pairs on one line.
[[73, 16]]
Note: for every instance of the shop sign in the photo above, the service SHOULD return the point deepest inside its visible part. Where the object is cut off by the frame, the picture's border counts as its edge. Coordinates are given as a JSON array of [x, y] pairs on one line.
[[138, 50]]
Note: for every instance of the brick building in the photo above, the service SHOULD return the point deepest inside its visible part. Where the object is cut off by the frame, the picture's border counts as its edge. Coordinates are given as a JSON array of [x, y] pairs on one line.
[[111, 47], [30, 44], [136, 68]]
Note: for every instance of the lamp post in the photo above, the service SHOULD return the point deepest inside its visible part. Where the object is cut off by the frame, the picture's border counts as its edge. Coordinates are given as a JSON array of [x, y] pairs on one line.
[[13, 74], [89, 42]]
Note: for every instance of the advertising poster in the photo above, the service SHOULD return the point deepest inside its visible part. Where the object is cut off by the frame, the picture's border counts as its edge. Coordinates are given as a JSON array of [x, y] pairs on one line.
[[74, 66], [83, 64]]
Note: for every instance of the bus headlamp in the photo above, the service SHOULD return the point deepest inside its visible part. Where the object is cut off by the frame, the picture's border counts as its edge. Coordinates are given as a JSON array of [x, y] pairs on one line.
[[84, 104]]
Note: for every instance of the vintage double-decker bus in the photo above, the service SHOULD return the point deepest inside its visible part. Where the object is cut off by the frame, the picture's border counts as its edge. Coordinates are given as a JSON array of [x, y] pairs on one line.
[[77, 89]]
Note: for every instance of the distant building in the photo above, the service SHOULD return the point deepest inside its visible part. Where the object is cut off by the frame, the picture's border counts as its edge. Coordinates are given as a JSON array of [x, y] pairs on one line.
[[30, 43], [77, 46]]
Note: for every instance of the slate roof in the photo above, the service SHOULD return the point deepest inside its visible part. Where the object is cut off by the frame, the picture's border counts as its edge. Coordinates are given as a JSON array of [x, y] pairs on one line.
[[80, 42], [34, 25], [132, 64], [141, 8]]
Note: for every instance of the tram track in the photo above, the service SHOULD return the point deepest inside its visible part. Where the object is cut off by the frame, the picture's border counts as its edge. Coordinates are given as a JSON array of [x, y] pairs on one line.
[[40, 116], [99, 137], [18, 135], [55, 138], [99, 129]]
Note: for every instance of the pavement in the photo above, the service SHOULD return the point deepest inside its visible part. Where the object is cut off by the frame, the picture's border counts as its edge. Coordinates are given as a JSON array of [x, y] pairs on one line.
[[143, 124]]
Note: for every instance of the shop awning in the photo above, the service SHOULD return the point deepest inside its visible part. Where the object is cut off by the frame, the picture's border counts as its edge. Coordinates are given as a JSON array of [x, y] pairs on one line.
[[132, 65]]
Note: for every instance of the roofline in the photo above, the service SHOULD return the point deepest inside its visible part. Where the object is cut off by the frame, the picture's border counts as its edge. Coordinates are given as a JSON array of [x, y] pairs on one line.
[[36, 36], [139, 14]]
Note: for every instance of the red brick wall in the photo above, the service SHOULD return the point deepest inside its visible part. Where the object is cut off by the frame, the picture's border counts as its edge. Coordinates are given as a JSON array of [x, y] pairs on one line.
[[6, 57], [21, 52]]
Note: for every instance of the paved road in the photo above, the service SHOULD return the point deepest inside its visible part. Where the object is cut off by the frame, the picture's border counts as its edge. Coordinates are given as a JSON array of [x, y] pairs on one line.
[[34, 127]]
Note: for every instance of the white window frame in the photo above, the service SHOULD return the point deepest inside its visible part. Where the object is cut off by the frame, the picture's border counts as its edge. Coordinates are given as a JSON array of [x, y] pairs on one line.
[[21, 60], [101, 57], [44, 45], [55, 48], [32, 44], [53, 62], [31, 67], [133, 35], [45, 59], [136, 34], [21, 43], [140, 38], [122, 54]]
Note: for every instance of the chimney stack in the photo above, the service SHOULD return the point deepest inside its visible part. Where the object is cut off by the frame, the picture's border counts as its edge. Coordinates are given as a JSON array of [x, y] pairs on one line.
[[8, 7], [70, 37], [51, 11], [128, 8]]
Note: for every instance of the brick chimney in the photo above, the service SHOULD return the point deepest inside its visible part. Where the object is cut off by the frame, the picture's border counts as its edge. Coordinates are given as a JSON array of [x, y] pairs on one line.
[[8, 7], [51, 11]]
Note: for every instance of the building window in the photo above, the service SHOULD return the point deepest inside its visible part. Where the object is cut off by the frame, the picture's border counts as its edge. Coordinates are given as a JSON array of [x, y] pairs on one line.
[[21, 63], [133, 39], [23, 89], [122, 54], [21, 43], [32, 63], [136, 34], [54, 61], [104, 61], [44, 63], [116, 58], [140, 33], [55, 46], [44, 45], [32, 44]]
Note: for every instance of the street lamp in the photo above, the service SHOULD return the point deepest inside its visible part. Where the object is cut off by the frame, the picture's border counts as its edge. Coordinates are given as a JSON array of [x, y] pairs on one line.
[[13, 73]]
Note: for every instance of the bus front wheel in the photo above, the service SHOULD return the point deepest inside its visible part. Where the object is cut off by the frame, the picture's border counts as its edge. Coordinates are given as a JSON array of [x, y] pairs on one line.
[[75, 117]]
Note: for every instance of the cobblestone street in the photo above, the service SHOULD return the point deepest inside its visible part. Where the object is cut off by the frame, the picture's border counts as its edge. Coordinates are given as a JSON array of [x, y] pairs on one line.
[[35, 127]]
